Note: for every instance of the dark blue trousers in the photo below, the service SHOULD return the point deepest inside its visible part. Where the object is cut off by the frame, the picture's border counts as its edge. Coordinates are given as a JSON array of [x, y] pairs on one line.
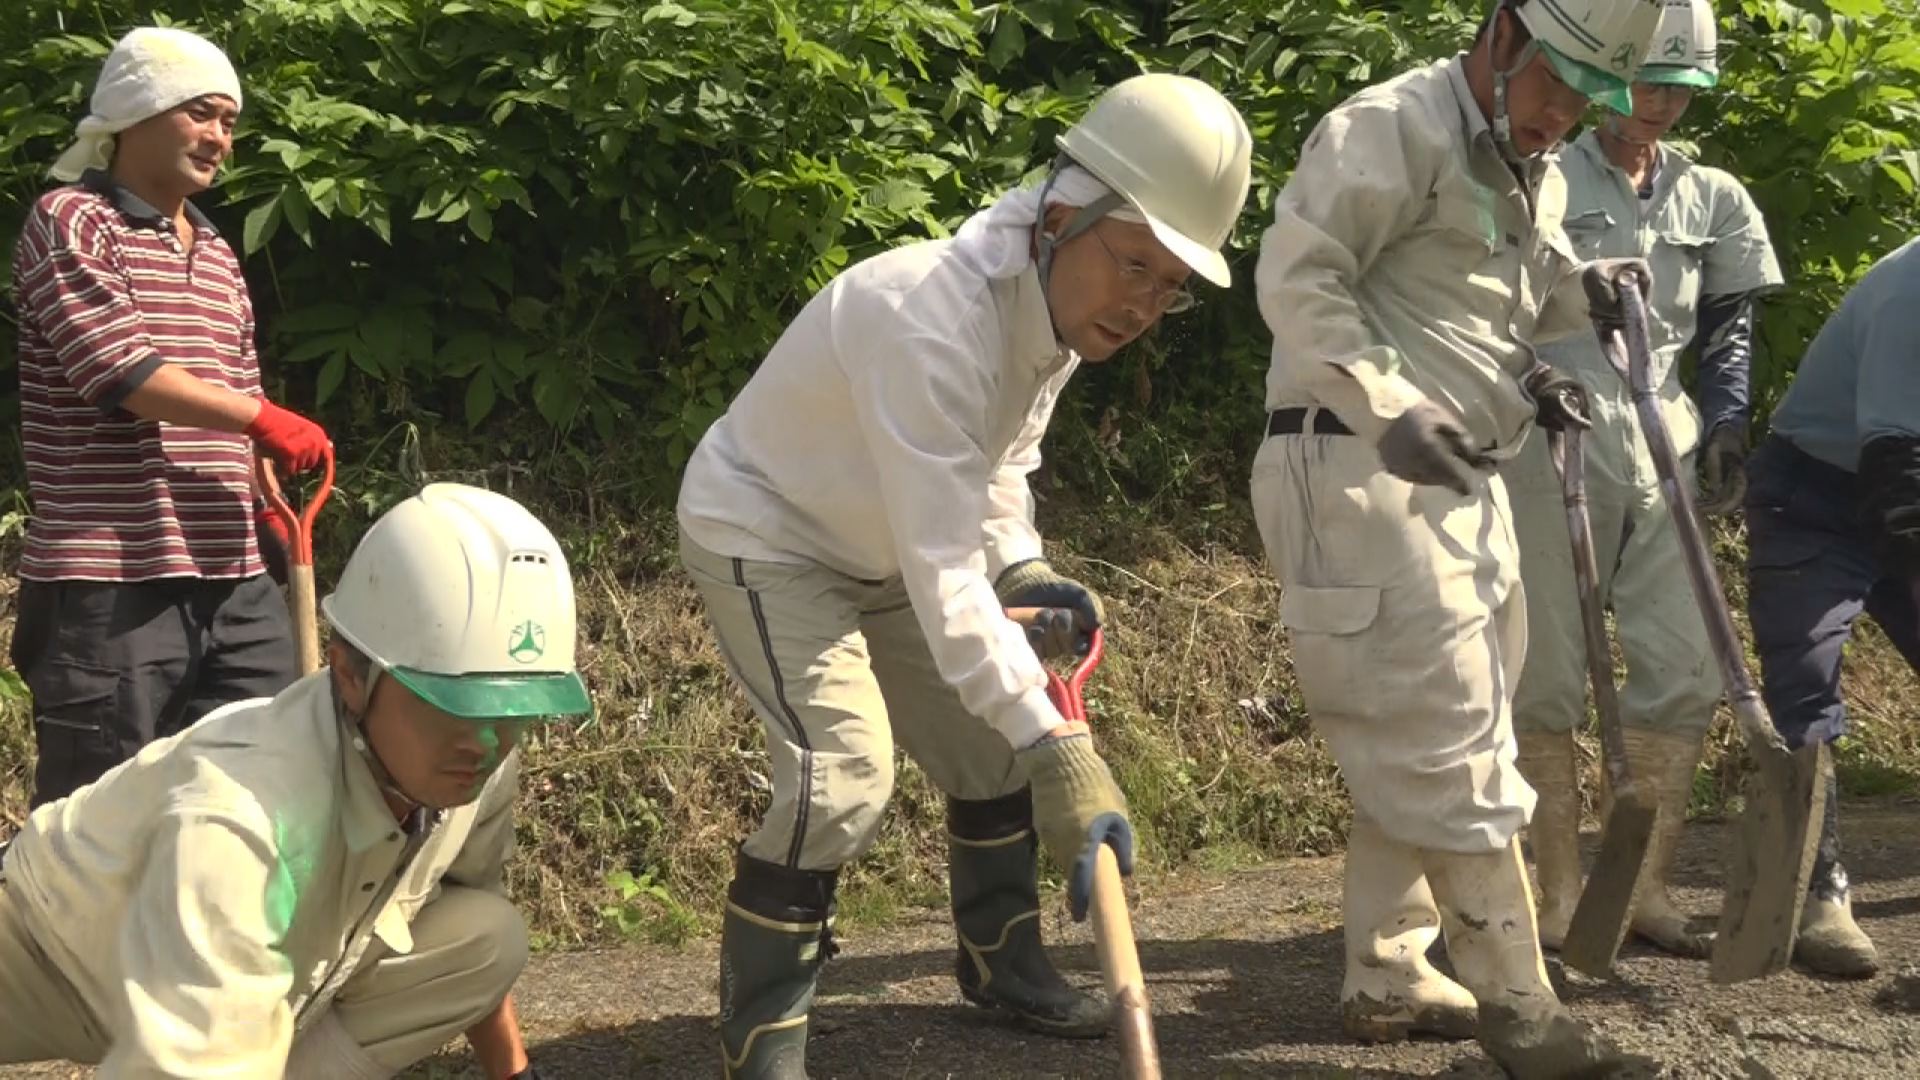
[[1810, 573]]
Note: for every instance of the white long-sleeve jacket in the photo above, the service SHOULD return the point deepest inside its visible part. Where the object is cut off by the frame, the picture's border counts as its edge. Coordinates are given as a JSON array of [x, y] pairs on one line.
[[891, 432]]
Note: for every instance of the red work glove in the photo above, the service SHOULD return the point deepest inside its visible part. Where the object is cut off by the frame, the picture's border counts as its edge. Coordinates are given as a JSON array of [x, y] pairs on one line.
[[293, 441]]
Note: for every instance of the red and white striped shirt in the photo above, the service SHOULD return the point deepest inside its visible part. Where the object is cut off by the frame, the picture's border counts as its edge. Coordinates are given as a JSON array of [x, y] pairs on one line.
[[107, 293]]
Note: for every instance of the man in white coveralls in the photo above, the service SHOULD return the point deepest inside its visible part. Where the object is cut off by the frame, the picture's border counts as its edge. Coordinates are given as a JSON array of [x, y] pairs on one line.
[[860, 517]]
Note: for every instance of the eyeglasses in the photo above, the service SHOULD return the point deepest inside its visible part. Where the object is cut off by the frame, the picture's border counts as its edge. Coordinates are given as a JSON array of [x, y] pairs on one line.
[[1139, 281]]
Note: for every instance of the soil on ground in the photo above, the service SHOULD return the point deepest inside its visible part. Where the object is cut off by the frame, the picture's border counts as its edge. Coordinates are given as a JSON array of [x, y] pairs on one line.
[[1244, 971]]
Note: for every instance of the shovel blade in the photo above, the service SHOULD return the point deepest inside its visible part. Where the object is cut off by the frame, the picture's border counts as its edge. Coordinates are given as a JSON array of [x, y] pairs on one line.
[[1605, 912], [1770, 864]]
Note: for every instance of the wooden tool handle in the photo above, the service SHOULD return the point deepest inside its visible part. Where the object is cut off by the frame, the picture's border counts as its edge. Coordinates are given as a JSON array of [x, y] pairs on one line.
[[306, 616], [1569, 458], [1120, 962]]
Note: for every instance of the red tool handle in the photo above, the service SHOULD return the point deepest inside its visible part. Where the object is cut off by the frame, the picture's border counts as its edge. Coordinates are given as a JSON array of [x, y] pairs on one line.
[[299, 523], [1067, 693]]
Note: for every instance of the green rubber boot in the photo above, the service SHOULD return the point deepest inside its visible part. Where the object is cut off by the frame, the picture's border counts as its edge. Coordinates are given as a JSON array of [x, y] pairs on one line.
[[993, 863], [777, 933]]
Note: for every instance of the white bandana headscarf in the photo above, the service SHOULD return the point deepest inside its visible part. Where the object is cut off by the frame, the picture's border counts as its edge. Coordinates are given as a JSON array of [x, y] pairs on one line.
[[998, 240], [149, 71]]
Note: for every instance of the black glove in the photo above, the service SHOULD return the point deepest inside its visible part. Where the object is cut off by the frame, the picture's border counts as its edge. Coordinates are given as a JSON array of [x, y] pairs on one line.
[[1559, 401], [1890, 502], [1033, 583], [1723, 470], [1601, 280], [1426, 445]]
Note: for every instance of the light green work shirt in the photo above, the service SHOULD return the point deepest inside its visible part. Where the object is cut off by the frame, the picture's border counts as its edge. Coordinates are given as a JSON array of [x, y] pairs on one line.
[[1701, 234], [1407, 261]]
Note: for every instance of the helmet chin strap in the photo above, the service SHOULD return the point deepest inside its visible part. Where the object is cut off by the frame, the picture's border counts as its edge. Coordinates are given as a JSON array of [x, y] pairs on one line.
[[1502, 121], [356, 729], [1045, 243]]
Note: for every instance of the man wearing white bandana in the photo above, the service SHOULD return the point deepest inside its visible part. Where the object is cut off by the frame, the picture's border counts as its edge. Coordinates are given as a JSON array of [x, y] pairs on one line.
[[860, 517], [147, 598]]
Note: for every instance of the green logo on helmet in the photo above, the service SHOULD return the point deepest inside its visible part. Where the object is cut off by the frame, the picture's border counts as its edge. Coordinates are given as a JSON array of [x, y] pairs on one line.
[[1623, 57], [1675, 48], [528, 642]]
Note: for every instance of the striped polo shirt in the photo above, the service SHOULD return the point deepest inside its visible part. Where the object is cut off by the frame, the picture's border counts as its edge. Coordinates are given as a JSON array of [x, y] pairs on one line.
[[106, 294]]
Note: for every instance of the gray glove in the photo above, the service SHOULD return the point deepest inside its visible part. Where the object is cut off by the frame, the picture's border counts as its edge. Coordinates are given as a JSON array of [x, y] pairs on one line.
[[1056, 632], [1601, 279], [1072, 788], [1723, 470], [1559, 401], [1426, 445], [1035, 583]]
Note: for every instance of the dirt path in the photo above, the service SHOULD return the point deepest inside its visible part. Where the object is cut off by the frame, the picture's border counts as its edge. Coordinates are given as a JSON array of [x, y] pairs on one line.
[[1244, 969]]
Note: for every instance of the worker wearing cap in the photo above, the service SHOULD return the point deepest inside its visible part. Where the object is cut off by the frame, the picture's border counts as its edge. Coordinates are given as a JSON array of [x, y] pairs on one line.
[[1833, 531], [1415, 254], [313, 885], [860, 517], [1630, 194], [145, 601]]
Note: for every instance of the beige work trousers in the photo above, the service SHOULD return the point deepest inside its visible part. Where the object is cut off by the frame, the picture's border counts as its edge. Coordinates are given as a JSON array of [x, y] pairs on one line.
[[469, 947], [1673, 680], [1408, 625], [838, 670]]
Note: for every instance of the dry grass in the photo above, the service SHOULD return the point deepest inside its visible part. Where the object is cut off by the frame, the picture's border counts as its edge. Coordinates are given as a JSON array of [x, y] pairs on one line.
[[628, 823]]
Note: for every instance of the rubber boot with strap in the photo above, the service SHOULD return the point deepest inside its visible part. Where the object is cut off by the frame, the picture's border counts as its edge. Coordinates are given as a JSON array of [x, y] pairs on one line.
[[1666, 761], [1391, 991], [993, 863], [1546, 760], [1486, 908], [778, 931], [1830, 942]]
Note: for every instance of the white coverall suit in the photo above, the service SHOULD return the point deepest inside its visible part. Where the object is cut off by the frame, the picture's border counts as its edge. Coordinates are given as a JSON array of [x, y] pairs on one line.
[[1406, 260], [1703, 236]]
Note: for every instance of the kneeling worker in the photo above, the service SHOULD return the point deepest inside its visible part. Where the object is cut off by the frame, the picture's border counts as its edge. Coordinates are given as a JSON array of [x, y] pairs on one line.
[[313, 885]]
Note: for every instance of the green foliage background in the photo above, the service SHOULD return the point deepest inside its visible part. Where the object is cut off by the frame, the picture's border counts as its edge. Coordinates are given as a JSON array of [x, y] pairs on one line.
[[575, 226]]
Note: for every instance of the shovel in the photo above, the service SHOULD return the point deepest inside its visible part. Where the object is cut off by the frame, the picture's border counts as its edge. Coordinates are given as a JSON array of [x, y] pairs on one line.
[[1605, 911], [306, 619], [1112, 925], [1772, 857]]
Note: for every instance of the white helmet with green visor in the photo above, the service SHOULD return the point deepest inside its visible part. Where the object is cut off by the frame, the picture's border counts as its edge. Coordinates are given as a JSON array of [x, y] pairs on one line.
[[464, 598], [1595, 46], [1685, 50]]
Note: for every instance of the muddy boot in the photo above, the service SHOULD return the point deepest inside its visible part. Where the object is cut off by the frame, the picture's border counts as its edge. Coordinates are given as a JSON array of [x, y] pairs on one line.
[[778, 931], [992, 856], [1391, 991], [1830, 942], [1487, 910], [1663, 762], [1546, 760]]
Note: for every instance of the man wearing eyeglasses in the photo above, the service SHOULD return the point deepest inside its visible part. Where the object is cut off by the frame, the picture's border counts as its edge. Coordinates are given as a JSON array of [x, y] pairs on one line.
[[860, 517], [1415, 256]]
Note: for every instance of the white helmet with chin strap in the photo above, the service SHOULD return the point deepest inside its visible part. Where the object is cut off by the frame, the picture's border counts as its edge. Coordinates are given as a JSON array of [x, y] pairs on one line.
[[1595, 46], [464, 598], [1170, 149], [1686, 47]]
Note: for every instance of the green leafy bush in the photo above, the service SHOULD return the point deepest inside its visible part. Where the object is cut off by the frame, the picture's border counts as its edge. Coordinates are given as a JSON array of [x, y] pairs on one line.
[[600, 214]]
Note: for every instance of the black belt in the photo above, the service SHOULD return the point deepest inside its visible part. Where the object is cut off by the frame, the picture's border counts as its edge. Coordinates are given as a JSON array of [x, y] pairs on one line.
[[1293, 422]]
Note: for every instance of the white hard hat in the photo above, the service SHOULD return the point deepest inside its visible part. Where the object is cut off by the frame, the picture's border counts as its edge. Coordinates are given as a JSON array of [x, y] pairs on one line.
[[1179, 154], [1685, 50], [1595, 46], [465, 599]]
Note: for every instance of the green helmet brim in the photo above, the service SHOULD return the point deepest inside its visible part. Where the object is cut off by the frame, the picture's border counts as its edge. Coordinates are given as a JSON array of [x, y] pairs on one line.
[[1670, 75], [1609, 90], [500, 696]]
